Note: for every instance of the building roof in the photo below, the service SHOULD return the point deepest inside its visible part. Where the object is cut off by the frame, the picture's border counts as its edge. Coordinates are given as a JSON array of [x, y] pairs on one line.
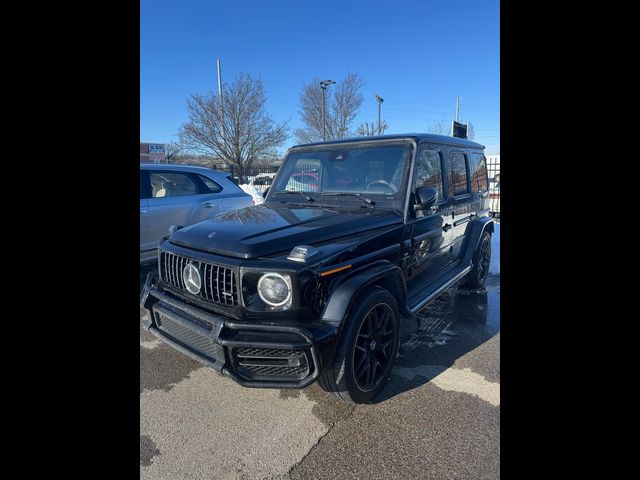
[[416, 136]]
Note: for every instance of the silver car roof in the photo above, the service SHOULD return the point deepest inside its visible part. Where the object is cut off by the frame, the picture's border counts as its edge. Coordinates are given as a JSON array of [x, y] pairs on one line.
[[183, 168]]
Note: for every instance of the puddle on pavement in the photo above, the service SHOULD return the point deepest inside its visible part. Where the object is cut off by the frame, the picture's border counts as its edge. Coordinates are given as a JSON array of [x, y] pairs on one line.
[[327, 408], [456, 323], [155, 356], [455, 312], [148, 450]]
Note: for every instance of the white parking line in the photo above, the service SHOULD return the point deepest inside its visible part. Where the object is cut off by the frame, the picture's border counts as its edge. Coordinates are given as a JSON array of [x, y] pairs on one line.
[[151, 345], [453, 379]]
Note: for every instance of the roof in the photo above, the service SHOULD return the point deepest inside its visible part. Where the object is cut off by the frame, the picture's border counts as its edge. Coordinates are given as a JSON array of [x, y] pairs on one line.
[[416, 136], [182, 168]]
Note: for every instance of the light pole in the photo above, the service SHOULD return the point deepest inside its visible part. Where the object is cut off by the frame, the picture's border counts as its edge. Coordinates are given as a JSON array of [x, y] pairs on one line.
[[323, 85], [379, 100]]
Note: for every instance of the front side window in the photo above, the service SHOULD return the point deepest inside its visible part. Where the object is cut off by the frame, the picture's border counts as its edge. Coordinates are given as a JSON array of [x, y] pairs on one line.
[[171, 184], [331, 174], [429, 171], [457, 175], [144, 185]]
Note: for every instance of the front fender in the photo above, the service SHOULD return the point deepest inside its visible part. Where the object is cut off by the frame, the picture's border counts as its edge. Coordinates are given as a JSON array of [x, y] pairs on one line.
[[383, 274]]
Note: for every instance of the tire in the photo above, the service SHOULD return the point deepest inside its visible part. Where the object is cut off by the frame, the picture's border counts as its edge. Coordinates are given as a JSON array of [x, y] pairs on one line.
[[477, 277], [359, 353]]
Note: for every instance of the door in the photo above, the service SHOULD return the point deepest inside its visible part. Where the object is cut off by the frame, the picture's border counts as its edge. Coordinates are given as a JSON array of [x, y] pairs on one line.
[[460, 197], [175, 198], [429, 231], [146, 241]]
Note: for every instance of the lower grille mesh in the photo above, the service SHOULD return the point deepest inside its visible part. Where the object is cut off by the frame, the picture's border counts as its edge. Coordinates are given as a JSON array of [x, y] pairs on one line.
[[258, 363], [277, 371], [201, 344]]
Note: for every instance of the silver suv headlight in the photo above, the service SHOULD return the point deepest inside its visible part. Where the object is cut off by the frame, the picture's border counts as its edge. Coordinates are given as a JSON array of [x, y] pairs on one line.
[[275, 289]]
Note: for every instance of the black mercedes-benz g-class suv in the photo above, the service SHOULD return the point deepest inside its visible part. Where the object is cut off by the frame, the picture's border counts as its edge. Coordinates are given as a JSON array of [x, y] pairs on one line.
[[354, 236]]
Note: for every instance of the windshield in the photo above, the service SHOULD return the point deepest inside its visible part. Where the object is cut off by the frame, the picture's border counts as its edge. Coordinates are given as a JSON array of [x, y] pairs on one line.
[[375, 171]]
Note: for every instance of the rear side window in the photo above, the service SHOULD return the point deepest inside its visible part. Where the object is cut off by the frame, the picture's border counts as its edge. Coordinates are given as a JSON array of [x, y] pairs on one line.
[[211, 186], [429, 171], [171, 184], [458, 175], [479, 177], [232, 179]]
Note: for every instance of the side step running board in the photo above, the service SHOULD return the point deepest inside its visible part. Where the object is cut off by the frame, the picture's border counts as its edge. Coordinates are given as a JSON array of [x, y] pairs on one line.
[[452, 278]]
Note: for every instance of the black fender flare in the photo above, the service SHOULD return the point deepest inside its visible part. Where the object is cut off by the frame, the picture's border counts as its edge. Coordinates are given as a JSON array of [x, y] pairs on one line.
[[474, 232], [383, 273]]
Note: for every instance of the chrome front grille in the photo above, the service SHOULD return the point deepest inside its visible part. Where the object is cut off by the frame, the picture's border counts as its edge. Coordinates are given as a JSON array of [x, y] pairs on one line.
[[219, 284]]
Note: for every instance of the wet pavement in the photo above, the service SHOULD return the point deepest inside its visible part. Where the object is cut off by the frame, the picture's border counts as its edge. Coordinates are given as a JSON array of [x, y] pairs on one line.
[[438, 416]]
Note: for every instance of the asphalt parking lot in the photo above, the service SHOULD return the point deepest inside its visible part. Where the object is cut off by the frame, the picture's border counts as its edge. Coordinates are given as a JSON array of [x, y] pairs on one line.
[[438, 417]]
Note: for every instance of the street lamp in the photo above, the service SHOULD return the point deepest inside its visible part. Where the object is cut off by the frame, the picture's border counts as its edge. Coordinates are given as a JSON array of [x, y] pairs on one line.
[[379, 100], [323, 85]]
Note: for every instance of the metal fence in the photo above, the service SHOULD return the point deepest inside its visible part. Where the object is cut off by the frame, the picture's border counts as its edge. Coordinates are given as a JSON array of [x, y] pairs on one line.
[[259, 176], [493, 168]]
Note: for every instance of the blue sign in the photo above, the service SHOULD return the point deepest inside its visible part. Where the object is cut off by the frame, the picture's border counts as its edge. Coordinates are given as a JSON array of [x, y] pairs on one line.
[[156, 148]]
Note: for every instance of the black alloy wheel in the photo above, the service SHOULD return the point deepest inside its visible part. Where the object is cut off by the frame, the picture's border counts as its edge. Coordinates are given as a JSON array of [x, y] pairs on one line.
[[367, 347], [484, 259], [481, 262], [373, 347]]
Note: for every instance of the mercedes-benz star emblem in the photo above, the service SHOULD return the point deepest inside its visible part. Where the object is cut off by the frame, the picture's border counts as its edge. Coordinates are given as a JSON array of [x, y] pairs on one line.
[[191, 278]]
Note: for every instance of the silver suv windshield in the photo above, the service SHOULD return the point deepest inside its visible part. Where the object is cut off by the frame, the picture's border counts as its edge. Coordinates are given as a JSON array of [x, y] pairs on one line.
[[336, 175]]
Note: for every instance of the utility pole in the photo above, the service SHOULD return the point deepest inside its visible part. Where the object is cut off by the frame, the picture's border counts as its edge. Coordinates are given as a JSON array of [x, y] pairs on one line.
[[457, 109], [379, 99], [220, 99], [323, 85]]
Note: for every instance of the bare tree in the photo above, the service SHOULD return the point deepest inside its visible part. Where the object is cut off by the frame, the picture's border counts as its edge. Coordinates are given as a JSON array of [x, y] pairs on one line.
[[369, 129], [342, 101], [173, 152], [239, 131], [440, 128]]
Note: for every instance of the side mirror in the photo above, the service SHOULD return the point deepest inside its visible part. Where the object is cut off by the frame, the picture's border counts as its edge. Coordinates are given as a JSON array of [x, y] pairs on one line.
[[426, 198], [266, 190]]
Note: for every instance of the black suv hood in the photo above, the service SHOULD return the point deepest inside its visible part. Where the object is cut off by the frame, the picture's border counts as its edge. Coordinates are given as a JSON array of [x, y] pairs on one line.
[[262, 230]]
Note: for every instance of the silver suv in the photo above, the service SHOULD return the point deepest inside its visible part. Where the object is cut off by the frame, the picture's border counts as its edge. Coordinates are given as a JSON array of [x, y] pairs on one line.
[[181, 195]]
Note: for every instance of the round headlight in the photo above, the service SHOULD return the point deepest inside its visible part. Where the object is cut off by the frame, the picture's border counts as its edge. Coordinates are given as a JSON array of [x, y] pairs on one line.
[[274, 289]]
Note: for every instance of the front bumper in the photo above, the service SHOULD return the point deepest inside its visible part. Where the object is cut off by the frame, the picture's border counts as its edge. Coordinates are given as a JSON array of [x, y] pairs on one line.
[[259, 355]]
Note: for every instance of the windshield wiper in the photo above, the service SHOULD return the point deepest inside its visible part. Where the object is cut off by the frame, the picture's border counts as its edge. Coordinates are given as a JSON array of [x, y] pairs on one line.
[[306, 197], [368, 201]]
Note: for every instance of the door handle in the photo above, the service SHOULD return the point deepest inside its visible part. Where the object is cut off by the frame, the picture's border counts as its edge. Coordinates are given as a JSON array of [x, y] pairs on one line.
[[446, 227], [209, 205], [462, 220], [144, 210]]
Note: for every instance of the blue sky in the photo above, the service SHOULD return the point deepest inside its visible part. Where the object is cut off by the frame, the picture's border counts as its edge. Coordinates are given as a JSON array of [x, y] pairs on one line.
[[417, 54]]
